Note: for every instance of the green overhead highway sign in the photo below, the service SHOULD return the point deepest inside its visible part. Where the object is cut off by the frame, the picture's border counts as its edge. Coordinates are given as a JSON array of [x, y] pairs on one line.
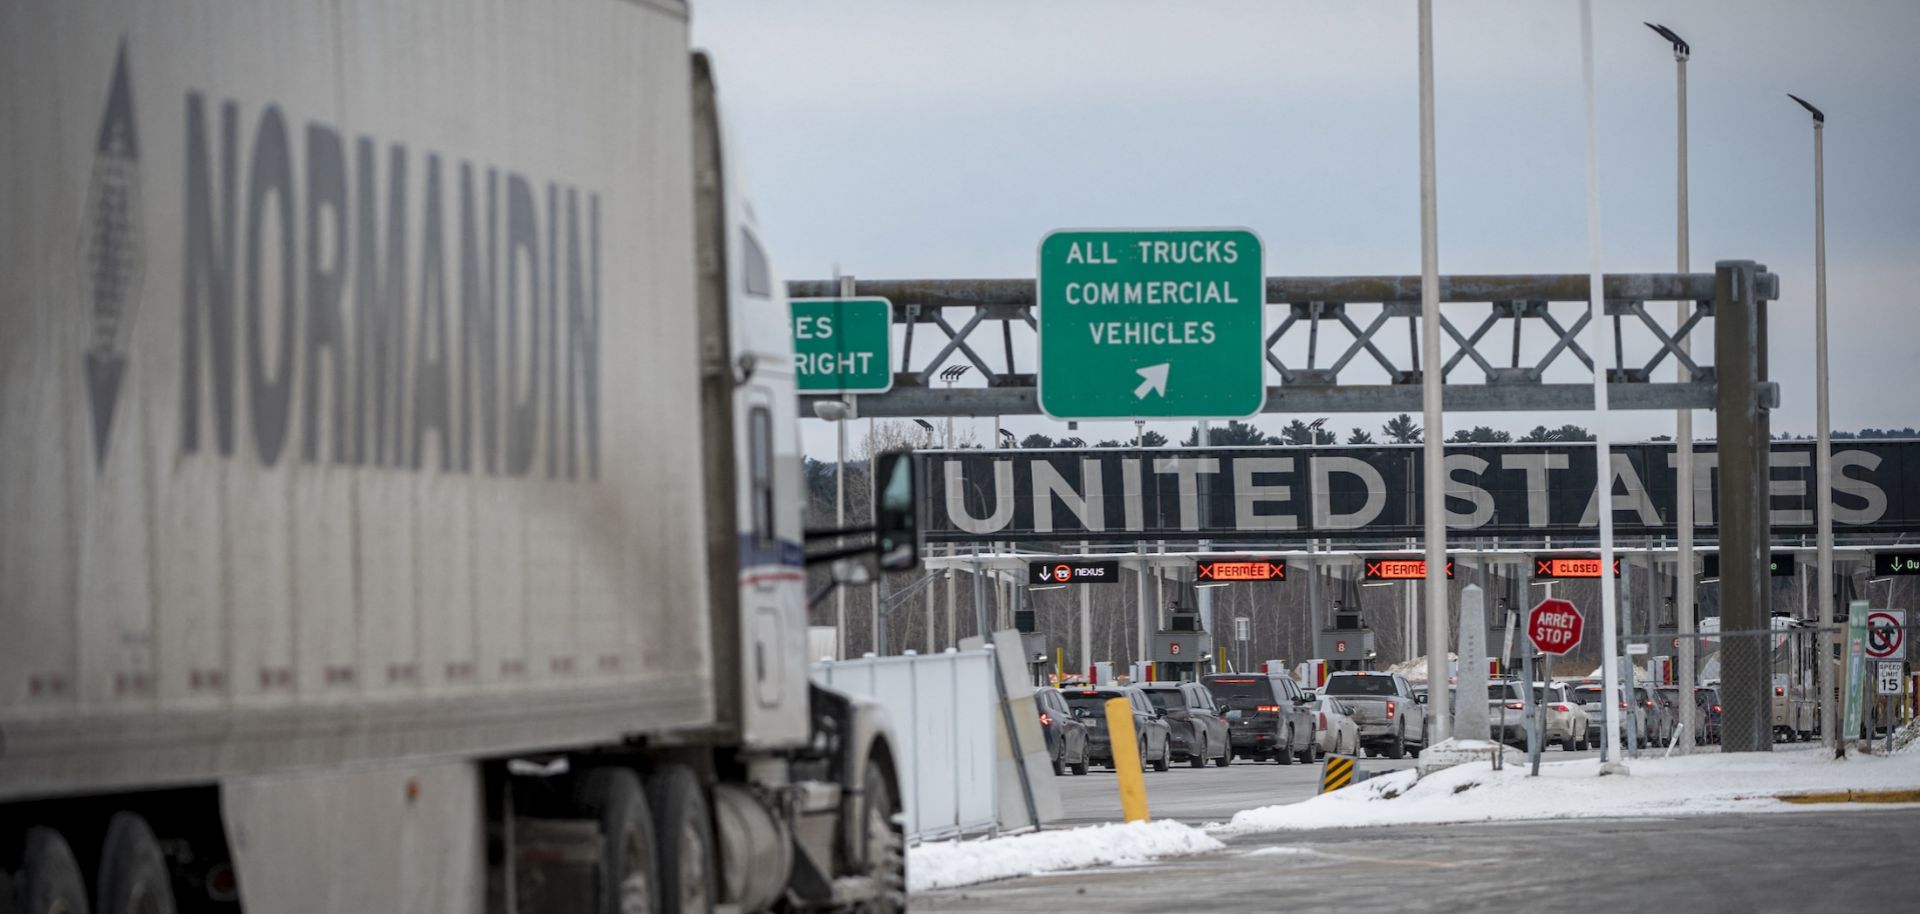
[[843, 345], [1152, 324]]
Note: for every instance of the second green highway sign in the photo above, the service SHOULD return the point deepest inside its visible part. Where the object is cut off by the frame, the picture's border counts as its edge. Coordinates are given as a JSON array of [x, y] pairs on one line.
[[1151, 324]]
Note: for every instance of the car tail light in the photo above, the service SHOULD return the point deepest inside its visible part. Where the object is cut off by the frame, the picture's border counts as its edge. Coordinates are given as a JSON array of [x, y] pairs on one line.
[[1623, 704], [1649, 703], [1779, 692], [1390, 710], [1515, 706], [1560, 707], [1267, 709], [1716, 709], [1323, 720], [1046, 720]]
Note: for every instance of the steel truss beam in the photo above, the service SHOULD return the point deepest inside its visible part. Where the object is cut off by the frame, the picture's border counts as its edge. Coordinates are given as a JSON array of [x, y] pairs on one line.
[[951, 317]]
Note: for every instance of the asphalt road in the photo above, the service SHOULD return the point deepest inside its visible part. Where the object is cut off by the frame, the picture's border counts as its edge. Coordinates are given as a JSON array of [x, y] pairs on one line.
[[1198, 796], [1818, 860]]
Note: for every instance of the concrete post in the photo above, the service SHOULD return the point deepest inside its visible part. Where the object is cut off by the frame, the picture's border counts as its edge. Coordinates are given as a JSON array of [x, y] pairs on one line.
[[1470, 711], [1739, 344]]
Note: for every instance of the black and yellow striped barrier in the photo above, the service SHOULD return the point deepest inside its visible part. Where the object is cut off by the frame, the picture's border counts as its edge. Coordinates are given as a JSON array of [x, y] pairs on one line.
[[1336, 773]]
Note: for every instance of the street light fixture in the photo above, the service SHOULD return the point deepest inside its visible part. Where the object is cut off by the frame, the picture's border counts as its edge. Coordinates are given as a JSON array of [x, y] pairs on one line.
[[950, 374], [1823, 447], [1681, 49]]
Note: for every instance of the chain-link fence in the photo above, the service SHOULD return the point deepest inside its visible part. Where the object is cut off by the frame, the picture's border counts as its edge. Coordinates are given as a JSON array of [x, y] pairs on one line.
[[1768, 685]]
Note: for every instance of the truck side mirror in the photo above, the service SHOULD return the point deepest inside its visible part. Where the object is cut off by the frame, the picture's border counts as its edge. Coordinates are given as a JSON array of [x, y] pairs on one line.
[[896, 499]]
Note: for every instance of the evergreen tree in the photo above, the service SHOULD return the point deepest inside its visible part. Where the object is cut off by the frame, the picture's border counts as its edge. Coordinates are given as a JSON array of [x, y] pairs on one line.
[[1234, 434], [1401, 430], [1480, 434]]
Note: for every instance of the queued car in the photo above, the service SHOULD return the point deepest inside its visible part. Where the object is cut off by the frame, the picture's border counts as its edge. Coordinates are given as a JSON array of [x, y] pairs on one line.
[[1587, 693], [1668, 698], [1566, 718], [1392, 722], [1153, 736], [1067, 739], [1703, 726], [1506, 718], [1334, 731], [1708, 699], [1199, 733], [1268, 715], [1657, 717]]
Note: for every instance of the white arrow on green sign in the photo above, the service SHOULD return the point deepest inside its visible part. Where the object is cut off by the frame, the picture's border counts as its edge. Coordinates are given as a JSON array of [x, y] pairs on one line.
[[1152, 324], [843, 345]]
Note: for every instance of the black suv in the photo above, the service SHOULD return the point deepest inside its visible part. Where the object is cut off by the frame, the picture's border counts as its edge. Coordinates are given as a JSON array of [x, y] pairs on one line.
[[1268, 715], [1152, 735], [1199, 733]]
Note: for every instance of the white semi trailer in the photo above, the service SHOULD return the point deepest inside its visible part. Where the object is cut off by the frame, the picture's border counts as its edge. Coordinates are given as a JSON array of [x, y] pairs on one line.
[[399, 489]]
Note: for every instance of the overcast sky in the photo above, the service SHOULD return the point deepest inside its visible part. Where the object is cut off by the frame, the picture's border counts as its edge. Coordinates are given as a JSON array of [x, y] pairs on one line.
[[906, 140]]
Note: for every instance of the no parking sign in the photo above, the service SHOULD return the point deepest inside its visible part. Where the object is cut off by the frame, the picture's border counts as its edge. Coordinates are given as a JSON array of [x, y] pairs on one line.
[[1886, 635]]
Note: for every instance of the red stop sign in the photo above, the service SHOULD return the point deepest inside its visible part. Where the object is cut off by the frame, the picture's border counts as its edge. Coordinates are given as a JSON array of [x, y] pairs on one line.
[[1554, 626]]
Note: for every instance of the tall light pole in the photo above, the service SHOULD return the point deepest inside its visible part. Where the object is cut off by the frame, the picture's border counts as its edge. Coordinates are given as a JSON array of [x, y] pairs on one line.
[[836, 412], [1431, 371], [845, 412], [1823, 448], [1683, 419], [1600, 342]]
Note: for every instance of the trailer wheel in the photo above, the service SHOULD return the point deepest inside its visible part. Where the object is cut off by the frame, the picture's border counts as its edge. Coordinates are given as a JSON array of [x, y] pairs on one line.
[[885, 845], [50, 881], [133, 873], [627, 882]]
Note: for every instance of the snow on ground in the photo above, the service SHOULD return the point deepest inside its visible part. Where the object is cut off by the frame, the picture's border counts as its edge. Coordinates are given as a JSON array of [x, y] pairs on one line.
[[946, 864], [1683, 785]]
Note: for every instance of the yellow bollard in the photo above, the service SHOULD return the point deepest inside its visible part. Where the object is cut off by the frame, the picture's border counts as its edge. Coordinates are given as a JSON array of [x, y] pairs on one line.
[[1126, 760]]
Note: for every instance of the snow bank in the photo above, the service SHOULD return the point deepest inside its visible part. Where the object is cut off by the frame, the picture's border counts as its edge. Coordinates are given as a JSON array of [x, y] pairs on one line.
[[1685, 785], [1907, 739], [953, 863]]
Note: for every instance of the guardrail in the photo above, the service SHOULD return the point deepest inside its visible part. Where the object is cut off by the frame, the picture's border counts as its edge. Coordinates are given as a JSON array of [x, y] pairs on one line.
[[944, 712]]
